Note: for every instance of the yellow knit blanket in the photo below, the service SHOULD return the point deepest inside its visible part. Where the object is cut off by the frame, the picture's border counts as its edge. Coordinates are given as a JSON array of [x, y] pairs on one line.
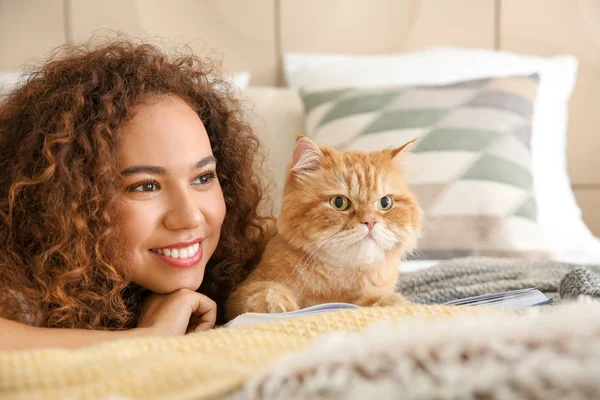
[[198, 366]]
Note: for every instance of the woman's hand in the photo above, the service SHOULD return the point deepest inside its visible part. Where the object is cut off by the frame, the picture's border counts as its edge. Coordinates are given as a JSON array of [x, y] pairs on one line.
[[177, 313], [166, 315]]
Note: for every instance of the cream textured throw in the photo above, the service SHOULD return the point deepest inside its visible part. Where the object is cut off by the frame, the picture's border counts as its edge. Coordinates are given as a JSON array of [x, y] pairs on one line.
[[553, 354], [410, 352], [198, 366]]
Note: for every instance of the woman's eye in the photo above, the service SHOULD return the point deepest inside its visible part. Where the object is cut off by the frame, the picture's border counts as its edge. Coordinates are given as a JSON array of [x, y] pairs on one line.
[[385, 203], [205, 179], [340, 203], [149, 186]]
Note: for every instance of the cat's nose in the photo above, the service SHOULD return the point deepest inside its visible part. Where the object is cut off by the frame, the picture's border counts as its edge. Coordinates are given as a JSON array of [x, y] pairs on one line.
[[370, 224]]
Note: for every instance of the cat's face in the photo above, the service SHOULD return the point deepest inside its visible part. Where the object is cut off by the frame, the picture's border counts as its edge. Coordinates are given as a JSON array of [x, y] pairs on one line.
[[348, 208]]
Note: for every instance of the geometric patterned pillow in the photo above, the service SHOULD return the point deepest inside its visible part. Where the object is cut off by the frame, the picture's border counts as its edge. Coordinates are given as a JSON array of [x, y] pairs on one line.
[[473, 179]]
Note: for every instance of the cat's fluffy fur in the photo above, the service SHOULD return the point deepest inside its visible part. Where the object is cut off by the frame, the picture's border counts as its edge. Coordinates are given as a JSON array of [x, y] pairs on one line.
[[321, 254]]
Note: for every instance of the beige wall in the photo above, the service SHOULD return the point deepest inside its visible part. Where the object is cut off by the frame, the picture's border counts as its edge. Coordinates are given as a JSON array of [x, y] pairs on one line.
[[237, 31], [28, 30], [249, 35]]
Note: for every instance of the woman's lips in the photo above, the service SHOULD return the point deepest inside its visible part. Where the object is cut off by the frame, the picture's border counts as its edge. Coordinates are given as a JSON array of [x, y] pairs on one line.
[[180, 257]]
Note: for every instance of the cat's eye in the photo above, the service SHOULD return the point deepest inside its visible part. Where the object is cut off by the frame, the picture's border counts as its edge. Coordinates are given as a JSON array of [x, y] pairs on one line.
[[385, 203], [340, 203]]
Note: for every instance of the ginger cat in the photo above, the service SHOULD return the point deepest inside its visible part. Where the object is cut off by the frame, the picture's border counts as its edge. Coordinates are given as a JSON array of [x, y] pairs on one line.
[[346, 221]]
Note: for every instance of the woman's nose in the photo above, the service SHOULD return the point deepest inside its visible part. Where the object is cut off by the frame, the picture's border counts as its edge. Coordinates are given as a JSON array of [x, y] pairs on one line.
[[183, 212]]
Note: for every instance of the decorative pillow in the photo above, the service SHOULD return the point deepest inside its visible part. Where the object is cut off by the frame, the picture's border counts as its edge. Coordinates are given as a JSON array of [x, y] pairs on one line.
[[559, 215], [473, 158]]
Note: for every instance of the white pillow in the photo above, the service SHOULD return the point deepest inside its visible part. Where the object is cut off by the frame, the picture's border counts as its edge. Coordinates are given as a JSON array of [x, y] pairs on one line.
[[559, 215], [9, 80], [240, 80]]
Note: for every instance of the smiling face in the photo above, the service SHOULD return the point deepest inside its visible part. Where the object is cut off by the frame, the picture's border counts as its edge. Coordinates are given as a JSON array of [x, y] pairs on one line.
[[173, 207]]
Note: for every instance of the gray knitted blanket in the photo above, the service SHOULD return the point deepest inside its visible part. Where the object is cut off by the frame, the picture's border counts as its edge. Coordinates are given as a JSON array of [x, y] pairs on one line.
[[465, 277]]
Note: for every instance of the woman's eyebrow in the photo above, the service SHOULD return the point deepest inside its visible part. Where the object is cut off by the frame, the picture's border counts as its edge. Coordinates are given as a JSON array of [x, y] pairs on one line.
[[150, 169], [204, 162], [156, 170]]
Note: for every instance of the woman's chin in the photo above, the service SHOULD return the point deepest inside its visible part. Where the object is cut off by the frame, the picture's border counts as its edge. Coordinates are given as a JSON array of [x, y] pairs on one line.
[[172, 285]]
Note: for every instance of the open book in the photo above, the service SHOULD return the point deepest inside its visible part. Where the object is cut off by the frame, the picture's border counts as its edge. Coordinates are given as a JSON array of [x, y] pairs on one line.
[[513, 298]]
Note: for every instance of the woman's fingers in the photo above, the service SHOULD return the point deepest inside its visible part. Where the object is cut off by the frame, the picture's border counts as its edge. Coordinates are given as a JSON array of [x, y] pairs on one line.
[[206, 312]]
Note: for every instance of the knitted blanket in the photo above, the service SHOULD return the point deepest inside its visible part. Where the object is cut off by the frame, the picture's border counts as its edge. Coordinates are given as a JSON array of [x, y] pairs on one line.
[[549, 355], [465, 277]]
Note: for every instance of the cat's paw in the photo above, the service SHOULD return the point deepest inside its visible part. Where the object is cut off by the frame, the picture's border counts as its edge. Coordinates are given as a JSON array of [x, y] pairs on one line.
[[279, 302], [390, 300], [272, 301], [383, 300]]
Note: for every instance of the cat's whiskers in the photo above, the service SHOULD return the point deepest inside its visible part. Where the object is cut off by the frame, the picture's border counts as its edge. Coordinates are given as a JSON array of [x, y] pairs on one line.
[[328, 247], [404, 237], [342, 241], [387, 239], [345, 247], [334, 261], [439, 278], [305, 259], [314, 253], [418, 255], [358, 258], [350, 237], [416, 277], [331, 247]]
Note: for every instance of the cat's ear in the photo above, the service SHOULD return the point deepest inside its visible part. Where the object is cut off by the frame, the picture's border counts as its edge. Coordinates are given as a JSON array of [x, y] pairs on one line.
[[397, 152], [307, 155]]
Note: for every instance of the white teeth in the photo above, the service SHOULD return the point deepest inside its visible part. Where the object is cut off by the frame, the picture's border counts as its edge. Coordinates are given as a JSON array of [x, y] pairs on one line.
[[179, 253], [191, 251]]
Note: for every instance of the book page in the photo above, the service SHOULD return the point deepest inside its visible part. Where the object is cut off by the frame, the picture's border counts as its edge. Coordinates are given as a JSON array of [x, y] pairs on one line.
[[256, 318]]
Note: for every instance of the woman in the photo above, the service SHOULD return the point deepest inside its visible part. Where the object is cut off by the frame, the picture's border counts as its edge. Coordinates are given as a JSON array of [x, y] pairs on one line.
[[128, 198]]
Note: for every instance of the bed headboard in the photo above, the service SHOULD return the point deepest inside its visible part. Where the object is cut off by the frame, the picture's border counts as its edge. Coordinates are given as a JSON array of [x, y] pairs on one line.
[[252, 35]]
